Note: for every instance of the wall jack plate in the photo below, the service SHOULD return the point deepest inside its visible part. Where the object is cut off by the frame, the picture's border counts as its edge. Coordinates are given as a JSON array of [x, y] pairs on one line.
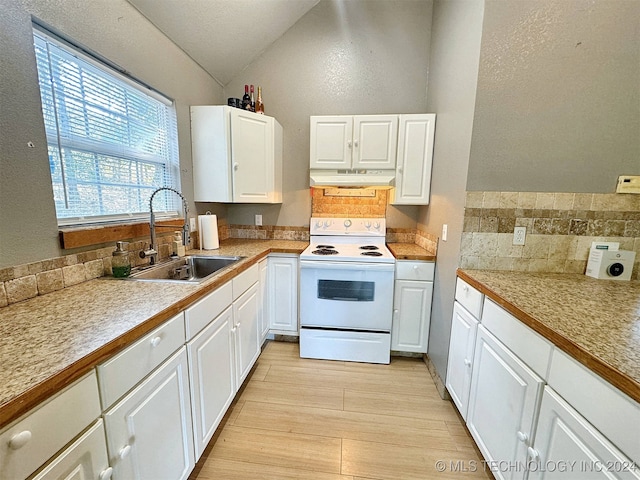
[[519, 235], [628, 184]]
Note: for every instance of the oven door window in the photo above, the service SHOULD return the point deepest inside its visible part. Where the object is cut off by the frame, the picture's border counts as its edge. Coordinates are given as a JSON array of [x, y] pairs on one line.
[[345, 290]]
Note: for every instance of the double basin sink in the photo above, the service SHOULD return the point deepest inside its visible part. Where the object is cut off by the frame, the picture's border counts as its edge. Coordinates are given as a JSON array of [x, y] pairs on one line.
[[189, 269]]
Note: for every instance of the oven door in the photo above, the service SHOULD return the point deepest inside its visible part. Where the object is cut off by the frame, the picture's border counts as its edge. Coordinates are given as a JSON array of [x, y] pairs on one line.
[[346, 295]]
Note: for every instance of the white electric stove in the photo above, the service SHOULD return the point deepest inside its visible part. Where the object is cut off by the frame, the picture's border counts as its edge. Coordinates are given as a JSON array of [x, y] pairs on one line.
[[346, 291]]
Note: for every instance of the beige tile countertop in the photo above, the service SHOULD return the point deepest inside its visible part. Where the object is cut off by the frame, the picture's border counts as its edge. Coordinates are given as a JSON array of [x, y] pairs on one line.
[[411, 251], [49, 341], [597, 322]]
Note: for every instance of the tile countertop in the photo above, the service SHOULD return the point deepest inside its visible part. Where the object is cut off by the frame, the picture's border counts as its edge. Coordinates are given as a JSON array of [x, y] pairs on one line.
[[411, 251], [597, 322], [49, 341]]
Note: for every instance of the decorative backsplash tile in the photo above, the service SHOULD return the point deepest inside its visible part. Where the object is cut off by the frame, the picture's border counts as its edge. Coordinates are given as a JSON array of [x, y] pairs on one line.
[[324, 204], [560, 229]]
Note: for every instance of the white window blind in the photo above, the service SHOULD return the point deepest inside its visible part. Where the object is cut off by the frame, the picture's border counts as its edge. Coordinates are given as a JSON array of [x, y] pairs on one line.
[[111, 143]]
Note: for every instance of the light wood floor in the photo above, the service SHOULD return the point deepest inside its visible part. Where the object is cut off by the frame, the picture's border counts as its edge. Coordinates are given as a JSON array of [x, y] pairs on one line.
[[318, 419]]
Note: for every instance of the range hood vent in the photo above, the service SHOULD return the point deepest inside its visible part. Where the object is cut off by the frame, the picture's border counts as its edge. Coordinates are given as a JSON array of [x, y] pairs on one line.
[[352, 178]]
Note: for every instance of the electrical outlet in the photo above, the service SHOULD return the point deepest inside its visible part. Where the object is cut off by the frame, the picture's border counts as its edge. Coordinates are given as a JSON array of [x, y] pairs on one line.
[[192, 224], [445, 229], [519, 235], [258, 220]]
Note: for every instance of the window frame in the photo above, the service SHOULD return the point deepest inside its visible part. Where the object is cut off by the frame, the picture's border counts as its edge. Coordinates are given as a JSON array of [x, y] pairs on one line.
[[174, 208]]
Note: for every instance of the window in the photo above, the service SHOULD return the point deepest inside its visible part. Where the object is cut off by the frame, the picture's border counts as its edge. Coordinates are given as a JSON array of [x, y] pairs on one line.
[[111, 141]]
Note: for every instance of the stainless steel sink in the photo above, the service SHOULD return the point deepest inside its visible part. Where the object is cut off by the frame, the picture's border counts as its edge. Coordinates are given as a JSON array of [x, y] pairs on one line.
[[193, 268]]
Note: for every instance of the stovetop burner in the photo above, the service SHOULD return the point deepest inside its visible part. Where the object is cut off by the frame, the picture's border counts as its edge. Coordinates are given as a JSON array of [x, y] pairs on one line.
[[369, 247], [371, 254], [326, 247], [325, 251]]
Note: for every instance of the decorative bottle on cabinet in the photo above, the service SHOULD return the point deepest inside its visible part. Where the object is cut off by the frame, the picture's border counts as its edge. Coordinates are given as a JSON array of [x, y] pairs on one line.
[[259, 104], [246, 99], [253, 102]]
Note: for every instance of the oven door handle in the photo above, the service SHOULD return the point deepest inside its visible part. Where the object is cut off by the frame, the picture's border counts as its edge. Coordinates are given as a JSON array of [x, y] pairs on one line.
[[329, 265]]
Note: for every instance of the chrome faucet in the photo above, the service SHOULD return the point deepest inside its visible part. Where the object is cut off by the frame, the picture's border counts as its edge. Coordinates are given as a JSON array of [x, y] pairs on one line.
[[152, 252]]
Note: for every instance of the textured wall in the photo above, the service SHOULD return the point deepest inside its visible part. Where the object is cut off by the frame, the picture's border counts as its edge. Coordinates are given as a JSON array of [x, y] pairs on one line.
[[558, 102], [113, 29], [457, 27], [348, 57]]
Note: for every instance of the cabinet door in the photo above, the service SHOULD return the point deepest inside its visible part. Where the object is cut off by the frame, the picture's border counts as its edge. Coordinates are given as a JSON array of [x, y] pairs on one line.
[[570, 444], [460, 364], [375, 140], [263, 303], [212, 374], [415, 157], [504, 398], [411, 316], [149, 432], [84, 458], [245, 315], [283, 294], [331, 142], [211, 153], [252, 152]]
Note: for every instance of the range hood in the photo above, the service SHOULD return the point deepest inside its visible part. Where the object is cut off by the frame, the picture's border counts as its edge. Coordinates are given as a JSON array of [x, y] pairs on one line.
[[352, 178]]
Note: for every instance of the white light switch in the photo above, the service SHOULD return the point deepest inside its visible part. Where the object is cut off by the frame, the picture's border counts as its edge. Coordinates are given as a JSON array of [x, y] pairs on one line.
[[192, 224], [445, 228], [258, 220]]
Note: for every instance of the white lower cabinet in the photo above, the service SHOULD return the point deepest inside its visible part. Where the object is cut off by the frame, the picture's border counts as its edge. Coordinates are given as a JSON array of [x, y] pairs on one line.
[[412, 306], [245, 332], [149, 431], [460, 364], [86, 458], [212, 375], [505, 394], [283, 293], [567, 446], [263, 311]]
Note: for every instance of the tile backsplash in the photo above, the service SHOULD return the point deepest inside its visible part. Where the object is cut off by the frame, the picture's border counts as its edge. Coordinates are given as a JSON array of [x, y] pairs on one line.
[[560, 229], [326, 204]]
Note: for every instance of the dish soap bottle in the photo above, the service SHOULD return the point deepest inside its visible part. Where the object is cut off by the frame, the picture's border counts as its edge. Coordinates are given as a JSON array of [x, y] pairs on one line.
[[177, 246], [120, 264]]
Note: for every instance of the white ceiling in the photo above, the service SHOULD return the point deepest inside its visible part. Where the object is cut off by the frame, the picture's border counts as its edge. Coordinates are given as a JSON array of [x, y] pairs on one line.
[[223, 36]]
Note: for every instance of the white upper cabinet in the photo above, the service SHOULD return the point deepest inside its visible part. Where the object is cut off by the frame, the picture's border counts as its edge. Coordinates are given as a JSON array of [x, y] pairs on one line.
[[354, 141], [414, 160], [237, 156]]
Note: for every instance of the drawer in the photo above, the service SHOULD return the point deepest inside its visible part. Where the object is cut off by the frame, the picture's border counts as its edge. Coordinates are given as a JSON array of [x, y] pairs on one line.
[[408, 270], [198, 316], [529, 346], [36, 437], [469, 297], [604, 406], [119, 374], [243, 281]]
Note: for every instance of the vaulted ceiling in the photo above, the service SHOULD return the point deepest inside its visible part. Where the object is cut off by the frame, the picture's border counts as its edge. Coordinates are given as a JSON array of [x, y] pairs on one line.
[[223, 36]]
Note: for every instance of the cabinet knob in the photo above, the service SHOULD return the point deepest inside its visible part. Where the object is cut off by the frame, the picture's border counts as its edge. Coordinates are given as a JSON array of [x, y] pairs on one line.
[[106, 474], [19, 440], [355, 143], [523, 437], [465, 288], [349, 144], [467, 363], [155, 341], [236, 166], [533, 454], [415, 267], [399, 169], [124, 452]]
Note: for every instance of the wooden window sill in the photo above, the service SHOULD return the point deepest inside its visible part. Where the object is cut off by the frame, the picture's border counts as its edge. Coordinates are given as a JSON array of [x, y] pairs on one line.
[[76, 237]]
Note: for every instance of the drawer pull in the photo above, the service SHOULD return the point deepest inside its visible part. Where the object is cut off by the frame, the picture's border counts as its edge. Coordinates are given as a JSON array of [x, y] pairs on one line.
[[155, 341], [467, 362], [19, 440], [465, 288], [124, 452], [106, 474], [523, 437]]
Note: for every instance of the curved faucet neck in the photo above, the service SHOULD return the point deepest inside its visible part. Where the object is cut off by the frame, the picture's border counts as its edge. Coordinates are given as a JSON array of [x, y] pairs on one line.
[[152, 220]]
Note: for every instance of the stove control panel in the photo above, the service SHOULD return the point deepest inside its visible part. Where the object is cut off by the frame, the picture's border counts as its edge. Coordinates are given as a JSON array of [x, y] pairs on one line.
[[347, 226]]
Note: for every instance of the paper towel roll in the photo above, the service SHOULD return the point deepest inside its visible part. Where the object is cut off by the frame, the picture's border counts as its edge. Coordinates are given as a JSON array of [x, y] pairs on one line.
[[208, 225]]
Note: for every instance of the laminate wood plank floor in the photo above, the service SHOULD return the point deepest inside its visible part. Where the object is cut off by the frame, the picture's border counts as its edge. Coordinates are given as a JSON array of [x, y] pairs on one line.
[[326, 420]]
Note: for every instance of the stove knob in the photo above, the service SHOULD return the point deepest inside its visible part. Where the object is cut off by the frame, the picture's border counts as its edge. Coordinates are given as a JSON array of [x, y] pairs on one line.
[[327, 223], [318, 223], [367, 224], [347, 223], [376, 225]]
